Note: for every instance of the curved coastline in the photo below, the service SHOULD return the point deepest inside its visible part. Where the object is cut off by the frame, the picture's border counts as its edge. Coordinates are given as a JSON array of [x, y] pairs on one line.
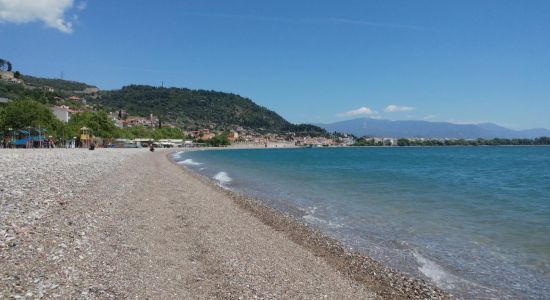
[[381, 279]]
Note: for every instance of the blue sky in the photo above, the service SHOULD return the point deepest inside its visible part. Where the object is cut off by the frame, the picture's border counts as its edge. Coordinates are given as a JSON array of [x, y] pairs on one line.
[[310, 61]]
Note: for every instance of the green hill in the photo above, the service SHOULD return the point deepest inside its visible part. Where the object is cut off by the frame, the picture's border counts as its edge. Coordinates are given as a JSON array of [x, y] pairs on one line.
[[19, 91], [194, 109], [185, 108], [58, 84]]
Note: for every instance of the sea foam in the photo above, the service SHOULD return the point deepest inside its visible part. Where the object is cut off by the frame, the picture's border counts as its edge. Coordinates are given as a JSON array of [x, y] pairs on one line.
[[446, 280], [177, 155], [435, 272], [189, 162], [223, 178], [311, 218]]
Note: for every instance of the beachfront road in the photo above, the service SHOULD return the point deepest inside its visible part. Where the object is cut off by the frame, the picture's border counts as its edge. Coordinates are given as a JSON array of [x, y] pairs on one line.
[[128, 223]]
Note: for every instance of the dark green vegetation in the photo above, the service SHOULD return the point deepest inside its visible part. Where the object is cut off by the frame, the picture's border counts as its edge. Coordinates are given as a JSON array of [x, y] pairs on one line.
[[196, 109], [366, 141], [57, 84], [308, 130], [19, 92], [217, 141], [98, 122], [22, 114], [185, 108], [22, 92]]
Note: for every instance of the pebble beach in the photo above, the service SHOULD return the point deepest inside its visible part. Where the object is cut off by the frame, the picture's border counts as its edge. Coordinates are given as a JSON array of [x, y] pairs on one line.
[[127, 223]]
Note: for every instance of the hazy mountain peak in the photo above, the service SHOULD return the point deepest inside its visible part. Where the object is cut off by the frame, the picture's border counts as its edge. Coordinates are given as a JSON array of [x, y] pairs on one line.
[[428, 129]]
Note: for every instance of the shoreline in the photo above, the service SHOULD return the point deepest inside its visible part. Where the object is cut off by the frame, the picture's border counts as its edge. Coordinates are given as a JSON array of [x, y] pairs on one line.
[[128, 223], [384, 281]]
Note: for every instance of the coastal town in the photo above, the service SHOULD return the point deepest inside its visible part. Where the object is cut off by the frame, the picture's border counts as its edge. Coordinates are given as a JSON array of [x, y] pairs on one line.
[[68, 104], [79, 115]]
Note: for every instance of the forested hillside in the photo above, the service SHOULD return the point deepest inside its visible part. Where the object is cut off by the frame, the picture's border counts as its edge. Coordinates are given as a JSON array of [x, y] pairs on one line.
[[194, 109], [58, 84], [185, 108], [19, 92]]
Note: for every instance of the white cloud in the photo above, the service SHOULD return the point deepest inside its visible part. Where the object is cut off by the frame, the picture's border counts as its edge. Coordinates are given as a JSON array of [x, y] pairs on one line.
[[429, 117], [51, 12], [358, 112], [396, 108]]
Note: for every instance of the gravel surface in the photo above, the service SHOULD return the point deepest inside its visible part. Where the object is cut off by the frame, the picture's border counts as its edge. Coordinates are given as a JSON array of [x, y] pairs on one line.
[[131, 224], [45, 221]]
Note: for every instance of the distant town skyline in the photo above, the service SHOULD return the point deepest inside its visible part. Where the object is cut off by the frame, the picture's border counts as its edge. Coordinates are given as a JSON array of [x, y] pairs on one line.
[[310, 61]]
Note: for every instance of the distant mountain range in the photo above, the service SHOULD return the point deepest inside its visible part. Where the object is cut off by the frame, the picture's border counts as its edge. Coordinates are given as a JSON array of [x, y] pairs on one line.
[[425, 129]]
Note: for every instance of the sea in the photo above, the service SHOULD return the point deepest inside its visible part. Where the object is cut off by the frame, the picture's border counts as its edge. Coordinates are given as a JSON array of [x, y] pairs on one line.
[[475, 221]]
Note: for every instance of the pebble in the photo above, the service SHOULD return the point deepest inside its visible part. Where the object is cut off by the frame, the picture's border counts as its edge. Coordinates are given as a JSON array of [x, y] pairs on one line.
[[36, 185]]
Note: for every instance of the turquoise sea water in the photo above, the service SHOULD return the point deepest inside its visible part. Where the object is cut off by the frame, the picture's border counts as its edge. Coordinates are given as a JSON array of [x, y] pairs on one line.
[[474, 220]]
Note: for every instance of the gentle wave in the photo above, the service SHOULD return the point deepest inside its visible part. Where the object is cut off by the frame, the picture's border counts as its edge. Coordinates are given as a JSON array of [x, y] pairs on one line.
[[447, 280], [177, 155], [434, 271], [311, 218], [223, 178], [189, 162]]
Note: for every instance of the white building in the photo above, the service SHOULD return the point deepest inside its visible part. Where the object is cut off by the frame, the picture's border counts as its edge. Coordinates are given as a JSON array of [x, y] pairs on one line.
[[62, 113], [168, 143]]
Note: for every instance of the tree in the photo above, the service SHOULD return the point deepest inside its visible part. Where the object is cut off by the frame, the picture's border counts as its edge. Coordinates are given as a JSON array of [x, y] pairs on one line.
[[403, 142], [167, 133], [98, 122], [135, 132], [217, 141], [22, 114], [17, 74]]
